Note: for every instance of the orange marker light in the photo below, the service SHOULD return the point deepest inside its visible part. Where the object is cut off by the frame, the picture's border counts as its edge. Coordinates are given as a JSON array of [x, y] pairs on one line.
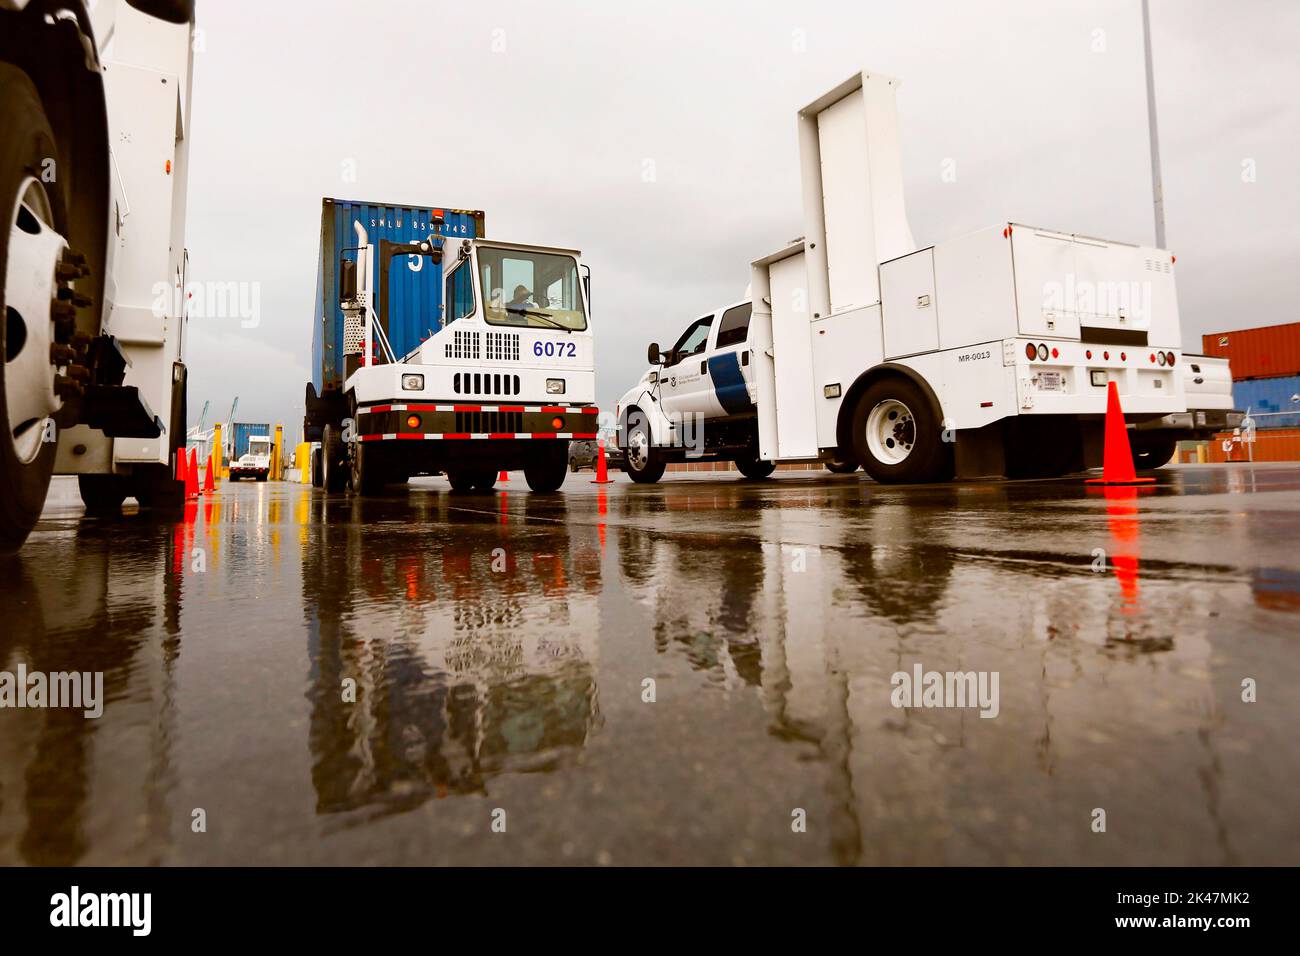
[[412, 421], [169, 167], [557, 423]]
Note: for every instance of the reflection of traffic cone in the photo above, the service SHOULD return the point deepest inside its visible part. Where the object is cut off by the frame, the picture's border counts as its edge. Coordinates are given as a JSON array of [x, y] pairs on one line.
[[602, 469], [1122, 517], [192, 475], [1117, 463], [208, 485]]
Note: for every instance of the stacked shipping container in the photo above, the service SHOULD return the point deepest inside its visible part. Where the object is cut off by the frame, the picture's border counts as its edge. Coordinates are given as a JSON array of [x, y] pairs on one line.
[[1272, 351], [1265, 365], [413, 290]]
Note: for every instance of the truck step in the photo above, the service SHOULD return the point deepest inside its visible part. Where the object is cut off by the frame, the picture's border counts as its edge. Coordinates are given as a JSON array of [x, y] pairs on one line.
[[120, 411]]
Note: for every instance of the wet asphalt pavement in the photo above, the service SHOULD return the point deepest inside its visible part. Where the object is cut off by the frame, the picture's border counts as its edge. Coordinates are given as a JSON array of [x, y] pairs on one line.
[[499, 649]]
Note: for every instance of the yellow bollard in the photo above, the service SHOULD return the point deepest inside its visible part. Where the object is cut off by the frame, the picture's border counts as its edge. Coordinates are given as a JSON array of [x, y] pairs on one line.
[[218, 470], [277, 455], [1202, 452], [302, 461]]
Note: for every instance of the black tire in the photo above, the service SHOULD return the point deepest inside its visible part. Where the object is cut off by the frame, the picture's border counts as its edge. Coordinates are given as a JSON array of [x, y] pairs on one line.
[[261, 477], [315, 459], [334, 474], [461, 481], [485, 481], [642, 462], [910, 437], [1149, 453], [755, 470], [368, 476], [573, 465], [838, 467], [103, 494], [545, 471], [26, 144]]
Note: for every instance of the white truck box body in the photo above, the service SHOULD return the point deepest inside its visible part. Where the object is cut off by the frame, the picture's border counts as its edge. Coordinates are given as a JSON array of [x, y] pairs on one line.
[[856, 293]]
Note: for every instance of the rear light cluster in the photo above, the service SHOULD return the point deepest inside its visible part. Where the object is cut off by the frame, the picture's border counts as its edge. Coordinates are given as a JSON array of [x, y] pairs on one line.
[[1040, 352]]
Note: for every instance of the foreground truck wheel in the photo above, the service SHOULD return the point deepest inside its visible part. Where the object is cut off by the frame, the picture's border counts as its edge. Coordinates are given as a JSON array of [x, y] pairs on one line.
[[31, 247], [897, 436]]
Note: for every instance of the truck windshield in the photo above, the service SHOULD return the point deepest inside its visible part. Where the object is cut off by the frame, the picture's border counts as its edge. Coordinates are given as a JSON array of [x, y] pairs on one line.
[[539, 290]]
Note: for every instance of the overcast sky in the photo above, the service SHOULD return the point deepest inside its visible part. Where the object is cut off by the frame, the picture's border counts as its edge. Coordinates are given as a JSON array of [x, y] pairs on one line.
[[547, 116]]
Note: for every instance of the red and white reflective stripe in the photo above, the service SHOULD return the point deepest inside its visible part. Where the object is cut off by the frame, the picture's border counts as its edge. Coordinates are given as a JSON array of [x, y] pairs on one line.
[[543, 409], [492, 436]]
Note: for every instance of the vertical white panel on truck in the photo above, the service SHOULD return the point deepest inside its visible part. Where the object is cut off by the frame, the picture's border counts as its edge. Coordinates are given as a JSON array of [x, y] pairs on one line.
[[764, 368], [796, 423], [854, 215]]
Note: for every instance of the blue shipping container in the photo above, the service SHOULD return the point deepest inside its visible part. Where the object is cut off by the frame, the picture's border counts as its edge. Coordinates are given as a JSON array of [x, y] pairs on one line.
[[414, 285], [240, 437], [1266, 395]]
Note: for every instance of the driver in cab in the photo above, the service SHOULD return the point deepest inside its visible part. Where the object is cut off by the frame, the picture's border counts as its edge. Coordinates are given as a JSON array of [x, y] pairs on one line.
[[520, 304]]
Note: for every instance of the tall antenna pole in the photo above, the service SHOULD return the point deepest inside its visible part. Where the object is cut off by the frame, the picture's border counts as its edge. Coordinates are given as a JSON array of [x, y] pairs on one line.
[[1157, 188]]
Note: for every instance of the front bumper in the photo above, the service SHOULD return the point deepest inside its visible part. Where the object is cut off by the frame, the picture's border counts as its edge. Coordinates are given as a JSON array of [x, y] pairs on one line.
[[410, 420]]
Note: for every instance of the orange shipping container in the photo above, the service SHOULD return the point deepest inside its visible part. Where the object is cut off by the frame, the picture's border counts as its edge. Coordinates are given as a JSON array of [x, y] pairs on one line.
[[1266, 352]]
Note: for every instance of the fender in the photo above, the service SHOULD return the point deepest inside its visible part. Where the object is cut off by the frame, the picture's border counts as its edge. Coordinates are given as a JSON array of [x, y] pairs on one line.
[[655, 418], [844, 423]]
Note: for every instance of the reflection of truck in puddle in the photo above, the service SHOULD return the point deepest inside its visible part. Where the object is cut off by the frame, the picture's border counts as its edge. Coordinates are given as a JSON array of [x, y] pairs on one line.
[[812, 618], [479, 678]]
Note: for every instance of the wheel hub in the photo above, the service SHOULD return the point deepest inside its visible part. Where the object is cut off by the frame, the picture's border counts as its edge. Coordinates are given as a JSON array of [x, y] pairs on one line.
[[638, 448], [33, 276], [891, 431]]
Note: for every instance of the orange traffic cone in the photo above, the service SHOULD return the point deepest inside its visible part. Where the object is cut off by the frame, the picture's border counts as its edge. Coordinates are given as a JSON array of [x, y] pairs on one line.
[[208, 485], [602, 469], [1117, 463], [503, 477], [192, 475], [180, 467]]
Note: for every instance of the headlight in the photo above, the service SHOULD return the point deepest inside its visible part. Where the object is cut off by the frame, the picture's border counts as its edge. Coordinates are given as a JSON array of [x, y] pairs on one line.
[[555, 386], [412, 383]]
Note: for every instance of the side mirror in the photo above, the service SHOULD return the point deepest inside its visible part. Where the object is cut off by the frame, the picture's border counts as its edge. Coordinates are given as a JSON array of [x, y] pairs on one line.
[[347, 280], [586, 282], [653, 355]]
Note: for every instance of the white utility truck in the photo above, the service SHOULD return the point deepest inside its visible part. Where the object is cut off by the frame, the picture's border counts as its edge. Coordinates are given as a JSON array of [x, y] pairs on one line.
[[506, 381], [985, 355], [254, 463], [94, 157]]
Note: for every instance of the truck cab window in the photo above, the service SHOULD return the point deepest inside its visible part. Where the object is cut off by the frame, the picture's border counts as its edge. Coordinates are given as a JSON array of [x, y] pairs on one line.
[[693, 340], [539, 290], [735, 325], [459, 301]]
